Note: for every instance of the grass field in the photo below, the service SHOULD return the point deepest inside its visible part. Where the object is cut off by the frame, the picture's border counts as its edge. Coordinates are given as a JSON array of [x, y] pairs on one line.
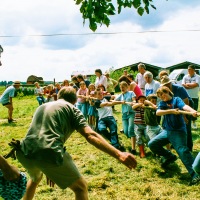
[[107, 178]]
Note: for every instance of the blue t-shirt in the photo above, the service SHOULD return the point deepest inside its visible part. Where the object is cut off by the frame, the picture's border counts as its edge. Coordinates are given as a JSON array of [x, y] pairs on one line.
[[173, 122], [128, 96], [9, 92], [180, 91]]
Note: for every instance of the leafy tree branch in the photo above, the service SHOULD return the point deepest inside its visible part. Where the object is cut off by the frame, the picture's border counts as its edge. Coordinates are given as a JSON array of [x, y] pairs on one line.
[[99, 11]]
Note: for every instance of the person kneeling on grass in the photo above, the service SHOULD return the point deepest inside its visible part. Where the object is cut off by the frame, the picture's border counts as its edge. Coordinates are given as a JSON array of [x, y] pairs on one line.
[[42, 150], [174, 132], [12, 181]]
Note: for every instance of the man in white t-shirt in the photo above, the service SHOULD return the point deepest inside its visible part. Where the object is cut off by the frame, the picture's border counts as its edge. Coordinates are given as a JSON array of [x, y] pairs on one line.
[[191, 83], [139, 79], [151, 85]]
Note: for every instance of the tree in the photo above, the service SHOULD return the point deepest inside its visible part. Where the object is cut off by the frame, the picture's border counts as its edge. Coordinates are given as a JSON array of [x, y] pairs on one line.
[[99, 11]]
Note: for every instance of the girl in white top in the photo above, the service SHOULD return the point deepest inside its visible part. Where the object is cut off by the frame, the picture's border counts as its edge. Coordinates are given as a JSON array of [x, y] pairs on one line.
[[100, 79]]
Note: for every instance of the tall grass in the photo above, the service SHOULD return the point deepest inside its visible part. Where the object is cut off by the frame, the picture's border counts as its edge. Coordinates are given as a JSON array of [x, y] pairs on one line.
[[107, 178]]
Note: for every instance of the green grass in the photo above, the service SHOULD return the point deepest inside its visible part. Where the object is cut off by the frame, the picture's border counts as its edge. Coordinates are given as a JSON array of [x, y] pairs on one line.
[[107, 178]]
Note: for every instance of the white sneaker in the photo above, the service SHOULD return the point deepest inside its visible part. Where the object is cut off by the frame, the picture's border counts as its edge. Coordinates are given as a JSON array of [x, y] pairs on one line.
[[194, 126]]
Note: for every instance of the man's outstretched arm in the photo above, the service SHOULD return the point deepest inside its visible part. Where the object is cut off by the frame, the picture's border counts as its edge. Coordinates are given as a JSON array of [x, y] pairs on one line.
[[99, 142]]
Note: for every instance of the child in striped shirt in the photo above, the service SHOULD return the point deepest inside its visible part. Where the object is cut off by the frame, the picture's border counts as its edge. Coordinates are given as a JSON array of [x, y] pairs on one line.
[[139, 124]]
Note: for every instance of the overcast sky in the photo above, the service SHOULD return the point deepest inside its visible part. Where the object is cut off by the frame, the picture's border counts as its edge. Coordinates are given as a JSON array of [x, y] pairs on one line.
[[177, 39]]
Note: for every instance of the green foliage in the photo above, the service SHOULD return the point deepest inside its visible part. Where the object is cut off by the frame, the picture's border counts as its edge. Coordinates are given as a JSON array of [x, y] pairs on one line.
[[25, 91], [92, 79], [115, 74], [99, 11], [20, 94]]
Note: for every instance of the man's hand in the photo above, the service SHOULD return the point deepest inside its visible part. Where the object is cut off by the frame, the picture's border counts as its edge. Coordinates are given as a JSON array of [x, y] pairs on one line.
[[128, 160]]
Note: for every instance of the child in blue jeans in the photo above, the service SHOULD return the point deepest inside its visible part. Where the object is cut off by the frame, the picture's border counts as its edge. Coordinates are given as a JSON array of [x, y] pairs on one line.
[[128, 114], [106, 119], [174, 132]]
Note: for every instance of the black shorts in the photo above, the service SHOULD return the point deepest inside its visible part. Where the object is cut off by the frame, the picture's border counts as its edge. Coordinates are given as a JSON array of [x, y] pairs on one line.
[[4, 104]]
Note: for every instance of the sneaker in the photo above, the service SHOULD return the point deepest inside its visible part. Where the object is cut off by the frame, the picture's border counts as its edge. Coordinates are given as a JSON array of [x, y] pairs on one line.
[[194, 126], [156, 156], [168, 161], [195, 179], [11, 121], [133, 151], [122, 131], [121, 148]]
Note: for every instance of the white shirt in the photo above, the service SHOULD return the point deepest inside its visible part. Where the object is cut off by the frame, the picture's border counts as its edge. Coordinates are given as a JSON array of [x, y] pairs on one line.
[[193, 92], [38, 90], [140, 80], [151, 88], [104, 111], [101, 80]]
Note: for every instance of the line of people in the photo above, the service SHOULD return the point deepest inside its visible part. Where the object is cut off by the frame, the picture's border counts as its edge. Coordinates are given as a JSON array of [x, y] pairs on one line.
[[143, 84], [140, 116], [141, 111]]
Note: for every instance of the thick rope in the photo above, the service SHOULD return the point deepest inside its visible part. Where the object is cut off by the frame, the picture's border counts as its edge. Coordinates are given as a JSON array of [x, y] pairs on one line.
[[15, 144]]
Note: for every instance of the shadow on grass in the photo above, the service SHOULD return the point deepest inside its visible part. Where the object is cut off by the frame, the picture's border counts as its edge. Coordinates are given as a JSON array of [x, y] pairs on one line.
[[6, 124], [172, 171], [168, 172]]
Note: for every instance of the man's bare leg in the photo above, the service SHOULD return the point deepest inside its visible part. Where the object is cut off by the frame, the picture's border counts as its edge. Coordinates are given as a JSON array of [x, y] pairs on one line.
[[80, 189], [30, 189], [10, 110]]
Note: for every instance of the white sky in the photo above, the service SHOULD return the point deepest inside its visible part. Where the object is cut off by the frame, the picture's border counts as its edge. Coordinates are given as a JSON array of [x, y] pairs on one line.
[[57, 57]]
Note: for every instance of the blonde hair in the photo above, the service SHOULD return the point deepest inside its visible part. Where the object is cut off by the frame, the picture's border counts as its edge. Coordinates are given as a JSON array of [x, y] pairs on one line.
[[123, 83], [151, 96], [82, 83], [165, 90], [50, 86], [163, 73], [91, 84]]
